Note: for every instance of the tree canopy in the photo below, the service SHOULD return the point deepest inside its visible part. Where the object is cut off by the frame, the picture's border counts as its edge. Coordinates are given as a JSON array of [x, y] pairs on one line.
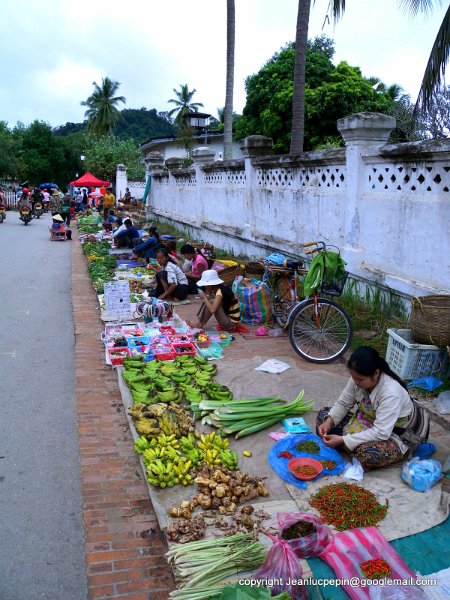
[[331, 92], [102, 112]]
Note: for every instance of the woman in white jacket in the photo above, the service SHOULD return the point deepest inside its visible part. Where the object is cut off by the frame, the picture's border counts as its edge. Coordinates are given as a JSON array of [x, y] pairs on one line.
[[383, 409]]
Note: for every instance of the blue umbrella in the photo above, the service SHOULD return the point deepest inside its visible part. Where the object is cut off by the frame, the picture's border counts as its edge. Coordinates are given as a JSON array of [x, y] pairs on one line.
[[48, 185]]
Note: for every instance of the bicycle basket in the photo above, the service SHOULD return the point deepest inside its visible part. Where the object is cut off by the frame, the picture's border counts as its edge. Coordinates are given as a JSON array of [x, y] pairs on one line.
[[333, 287]]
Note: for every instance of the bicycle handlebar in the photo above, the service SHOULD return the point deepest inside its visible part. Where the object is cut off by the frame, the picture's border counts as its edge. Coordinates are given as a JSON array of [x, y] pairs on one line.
[[320, 246]]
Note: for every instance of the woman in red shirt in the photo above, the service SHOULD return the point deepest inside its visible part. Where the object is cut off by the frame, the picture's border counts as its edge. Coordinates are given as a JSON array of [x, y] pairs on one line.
[[198, 265]]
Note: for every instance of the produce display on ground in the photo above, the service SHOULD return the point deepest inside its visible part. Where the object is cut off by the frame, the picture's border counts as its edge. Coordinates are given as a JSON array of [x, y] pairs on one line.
[[181, 416]]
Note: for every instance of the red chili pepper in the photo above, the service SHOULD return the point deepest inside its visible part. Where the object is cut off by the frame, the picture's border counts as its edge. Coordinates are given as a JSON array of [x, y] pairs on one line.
[[286, 454]]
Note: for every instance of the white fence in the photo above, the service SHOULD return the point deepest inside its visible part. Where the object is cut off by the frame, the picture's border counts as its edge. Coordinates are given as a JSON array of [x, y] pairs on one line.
[[386, 207]]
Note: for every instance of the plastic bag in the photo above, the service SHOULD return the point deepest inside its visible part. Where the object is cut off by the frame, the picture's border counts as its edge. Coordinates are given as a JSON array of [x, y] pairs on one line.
[[254, 300], [312, 544], [421, 475], [426, 383], [282, 568], [442, 403], [354, 470], [396, 592], [261, 331]]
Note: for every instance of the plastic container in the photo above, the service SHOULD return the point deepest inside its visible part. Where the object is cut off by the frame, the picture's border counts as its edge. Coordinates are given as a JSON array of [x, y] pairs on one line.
[[117, 355], [132, 330], [138, 350], [222, 337], [410, 360], [164, 352], [135, 342], [184, 349], [304, 462], [214, 350]]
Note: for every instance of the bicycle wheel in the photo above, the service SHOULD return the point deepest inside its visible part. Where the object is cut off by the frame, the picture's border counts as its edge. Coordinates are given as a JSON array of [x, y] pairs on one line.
[[322, 339], [282, 300]]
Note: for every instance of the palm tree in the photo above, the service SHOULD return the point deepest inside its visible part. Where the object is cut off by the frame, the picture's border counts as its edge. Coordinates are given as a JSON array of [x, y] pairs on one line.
[[102, 112], [435, 69], [298, 97], [183, 103], [228, 110]]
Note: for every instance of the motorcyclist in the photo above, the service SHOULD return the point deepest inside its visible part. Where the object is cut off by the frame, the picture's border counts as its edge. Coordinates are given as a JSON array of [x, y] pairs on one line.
[[36, 197], [25, 200]]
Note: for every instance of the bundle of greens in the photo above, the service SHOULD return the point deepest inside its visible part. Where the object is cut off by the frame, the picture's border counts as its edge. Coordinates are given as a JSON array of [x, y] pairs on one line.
[[198, 565], [243, 417]]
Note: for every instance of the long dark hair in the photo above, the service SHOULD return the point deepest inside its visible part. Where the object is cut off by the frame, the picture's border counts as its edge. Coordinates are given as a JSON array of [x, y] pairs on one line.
[[165, 250], [366, 360]]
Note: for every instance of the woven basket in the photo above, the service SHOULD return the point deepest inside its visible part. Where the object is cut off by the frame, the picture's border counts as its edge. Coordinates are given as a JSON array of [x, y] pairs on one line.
[[229, 274], [430, 320], [254, 269]]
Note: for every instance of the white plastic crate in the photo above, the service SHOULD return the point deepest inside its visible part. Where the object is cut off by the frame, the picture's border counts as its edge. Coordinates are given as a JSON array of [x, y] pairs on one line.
[[410, 360]]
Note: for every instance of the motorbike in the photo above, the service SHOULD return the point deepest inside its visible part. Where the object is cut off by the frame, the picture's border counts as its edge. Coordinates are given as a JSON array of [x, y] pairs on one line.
[[2, 213], [38, 210], [25, 214]]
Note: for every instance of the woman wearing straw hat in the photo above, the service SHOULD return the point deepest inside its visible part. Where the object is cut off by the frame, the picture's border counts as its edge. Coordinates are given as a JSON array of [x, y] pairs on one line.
[[58, 225], [218, 300]]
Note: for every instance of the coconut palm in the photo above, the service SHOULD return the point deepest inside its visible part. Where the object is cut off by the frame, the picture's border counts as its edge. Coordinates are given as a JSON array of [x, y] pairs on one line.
[[440, 51], [298, 98], [228, 110], [183, 103], [102, 112]]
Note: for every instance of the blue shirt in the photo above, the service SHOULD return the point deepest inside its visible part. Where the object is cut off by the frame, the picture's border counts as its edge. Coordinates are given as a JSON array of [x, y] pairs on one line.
[[130, 232]]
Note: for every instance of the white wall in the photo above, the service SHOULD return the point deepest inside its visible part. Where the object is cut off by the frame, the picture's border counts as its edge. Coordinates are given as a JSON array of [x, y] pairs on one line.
[[171, 148], [386, 207]]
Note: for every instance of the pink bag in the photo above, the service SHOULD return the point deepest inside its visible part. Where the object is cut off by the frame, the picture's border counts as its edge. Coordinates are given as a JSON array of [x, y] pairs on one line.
[[282, 568], [313, 544]]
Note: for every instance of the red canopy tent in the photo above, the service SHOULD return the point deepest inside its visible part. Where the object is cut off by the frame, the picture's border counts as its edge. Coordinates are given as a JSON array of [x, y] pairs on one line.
[[88, 180]]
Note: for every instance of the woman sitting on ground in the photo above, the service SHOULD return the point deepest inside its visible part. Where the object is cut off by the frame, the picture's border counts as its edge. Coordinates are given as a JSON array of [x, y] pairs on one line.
[[218, 300], [383, 412], [148, 248], [172, 283], [199, 264]]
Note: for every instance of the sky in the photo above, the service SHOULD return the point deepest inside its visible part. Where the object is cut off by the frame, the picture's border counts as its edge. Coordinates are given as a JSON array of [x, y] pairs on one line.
[[52, 51]]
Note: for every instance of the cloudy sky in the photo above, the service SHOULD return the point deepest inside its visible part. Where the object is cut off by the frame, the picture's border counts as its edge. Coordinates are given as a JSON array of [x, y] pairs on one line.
[[52, 51]]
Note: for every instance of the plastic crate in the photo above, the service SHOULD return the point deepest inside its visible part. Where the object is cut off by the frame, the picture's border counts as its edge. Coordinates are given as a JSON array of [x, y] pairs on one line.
[[410, 360], [135, 342], [222, 337], [213, 351], [164, 352], [138, 350], [130, 330], [117, 355], [184, 349]]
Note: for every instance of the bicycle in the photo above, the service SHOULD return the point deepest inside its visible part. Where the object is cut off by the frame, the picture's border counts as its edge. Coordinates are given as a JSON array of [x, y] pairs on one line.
[[320, 331]]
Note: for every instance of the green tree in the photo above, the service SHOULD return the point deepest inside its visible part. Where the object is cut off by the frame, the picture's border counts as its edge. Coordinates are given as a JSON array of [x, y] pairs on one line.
[[183, 104], [103, 154], [228, 110], [102, 112], [9, 151], [435, 69]]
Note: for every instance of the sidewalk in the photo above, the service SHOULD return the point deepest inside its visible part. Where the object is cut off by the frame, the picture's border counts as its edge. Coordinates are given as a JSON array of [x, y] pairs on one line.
[[124, 545]]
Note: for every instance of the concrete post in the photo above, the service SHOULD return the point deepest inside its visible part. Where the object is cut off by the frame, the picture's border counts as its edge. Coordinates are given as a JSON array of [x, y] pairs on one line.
[[121, 180], [363, 135], [154, 161]]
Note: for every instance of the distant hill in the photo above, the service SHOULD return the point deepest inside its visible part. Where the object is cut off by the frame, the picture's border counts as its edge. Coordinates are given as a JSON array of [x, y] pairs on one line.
[[140, 124]]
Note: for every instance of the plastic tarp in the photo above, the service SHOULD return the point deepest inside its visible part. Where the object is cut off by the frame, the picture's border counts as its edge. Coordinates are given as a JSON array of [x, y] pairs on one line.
[[89, 180], [288, 443]]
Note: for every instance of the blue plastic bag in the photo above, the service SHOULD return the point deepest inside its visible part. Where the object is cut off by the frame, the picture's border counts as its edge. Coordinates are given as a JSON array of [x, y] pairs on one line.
[[426, 383], [421, 475]]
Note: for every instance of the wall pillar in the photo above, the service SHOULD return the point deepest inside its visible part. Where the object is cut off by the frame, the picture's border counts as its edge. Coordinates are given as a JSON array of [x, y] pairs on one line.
[[363, 133], [121, 180]]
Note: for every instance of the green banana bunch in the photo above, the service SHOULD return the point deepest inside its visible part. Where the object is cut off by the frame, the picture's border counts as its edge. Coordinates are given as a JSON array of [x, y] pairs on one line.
[[167, 426], [229, 460], [168, 440], [160, 474], [181, 469], [188, 442], [171, 395], [141, 444]]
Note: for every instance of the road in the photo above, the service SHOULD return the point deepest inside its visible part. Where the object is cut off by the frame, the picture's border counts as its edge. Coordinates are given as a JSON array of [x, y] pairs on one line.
[[42, 553]]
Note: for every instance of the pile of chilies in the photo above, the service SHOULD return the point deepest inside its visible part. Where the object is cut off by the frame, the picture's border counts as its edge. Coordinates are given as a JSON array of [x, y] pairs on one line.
[[376, 568], [199, 565], [348, 506], [243, 417]]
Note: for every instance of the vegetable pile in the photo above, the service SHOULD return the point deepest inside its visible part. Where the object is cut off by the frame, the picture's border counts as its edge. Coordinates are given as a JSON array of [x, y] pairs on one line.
[[244, 417], [198, 565], [348, 506], [310, 447], [305, 471], [376, 568]]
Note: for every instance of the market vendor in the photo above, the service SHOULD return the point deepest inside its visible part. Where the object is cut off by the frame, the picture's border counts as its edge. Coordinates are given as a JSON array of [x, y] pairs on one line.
[[376, 431], [218, 300], [59, 225], [126, 237], [171, 281], [147, 249], [198, 264]]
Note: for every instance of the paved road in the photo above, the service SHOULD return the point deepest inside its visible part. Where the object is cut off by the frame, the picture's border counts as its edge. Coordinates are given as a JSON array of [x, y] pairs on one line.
[[41, 529]]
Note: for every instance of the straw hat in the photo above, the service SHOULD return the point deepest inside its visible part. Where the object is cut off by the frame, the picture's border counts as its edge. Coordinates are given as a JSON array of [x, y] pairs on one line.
[[57, 218], [209, 277]]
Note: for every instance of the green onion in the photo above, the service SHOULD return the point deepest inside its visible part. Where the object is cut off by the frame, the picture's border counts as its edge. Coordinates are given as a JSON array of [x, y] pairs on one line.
[[202, 563], [249, 416]]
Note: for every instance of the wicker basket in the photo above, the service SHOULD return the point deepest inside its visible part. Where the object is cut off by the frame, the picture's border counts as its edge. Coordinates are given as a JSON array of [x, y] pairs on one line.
[[229, 274], [254, 269], [430, 320]]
